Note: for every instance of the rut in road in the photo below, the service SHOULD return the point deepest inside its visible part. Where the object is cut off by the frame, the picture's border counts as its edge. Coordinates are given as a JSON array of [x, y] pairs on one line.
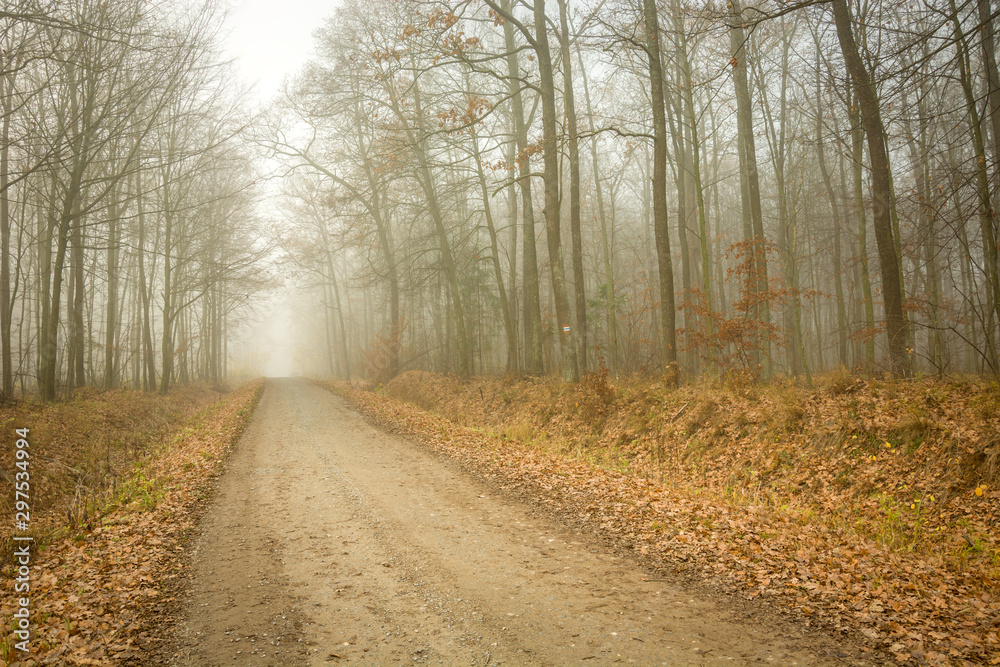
[[331, 542]]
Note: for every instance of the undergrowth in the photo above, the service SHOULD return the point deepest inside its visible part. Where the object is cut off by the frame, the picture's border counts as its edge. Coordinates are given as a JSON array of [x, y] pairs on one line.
[[85, 452], [102, 591], [913, 465]]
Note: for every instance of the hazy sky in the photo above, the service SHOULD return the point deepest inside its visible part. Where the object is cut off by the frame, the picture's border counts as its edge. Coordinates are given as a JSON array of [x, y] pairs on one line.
[[272, 39]]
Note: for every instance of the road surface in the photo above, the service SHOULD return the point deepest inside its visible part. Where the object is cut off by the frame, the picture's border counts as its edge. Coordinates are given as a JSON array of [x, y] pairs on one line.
[[330, 542]]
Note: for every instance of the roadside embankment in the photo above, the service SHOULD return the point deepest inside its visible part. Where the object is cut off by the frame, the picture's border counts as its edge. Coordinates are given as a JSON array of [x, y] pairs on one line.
[[105, 565], [869, 507]]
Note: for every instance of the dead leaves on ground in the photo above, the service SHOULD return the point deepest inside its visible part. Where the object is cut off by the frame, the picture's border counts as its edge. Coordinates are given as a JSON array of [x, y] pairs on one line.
[[82, 447], [101, 596], [917, 604]]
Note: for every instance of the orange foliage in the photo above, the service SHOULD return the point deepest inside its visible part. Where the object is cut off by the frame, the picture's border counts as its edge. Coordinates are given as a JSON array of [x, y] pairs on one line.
[[103, 595], [863, 506], [382, 356]]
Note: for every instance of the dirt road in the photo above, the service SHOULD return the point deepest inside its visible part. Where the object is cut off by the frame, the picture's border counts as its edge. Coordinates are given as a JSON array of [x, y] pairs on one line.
[[331, 542]]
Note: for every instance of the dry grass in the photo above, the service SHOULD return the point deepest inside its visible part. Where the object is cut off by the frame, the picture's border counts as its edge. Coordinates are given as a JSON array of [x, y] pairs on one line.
[[899, 461], [864, 505], [84, 448], [104, 594]]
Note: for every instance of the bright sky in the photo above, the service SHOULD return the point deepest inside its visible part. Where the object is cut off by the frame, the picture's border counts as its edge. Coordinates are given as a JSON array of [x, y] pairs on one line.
[[271, 40]]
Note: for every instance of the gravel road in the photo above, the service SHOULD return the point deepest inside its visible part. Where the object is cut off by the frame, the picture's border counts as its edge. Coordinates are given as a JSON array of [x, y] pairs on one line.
[[331, 542]]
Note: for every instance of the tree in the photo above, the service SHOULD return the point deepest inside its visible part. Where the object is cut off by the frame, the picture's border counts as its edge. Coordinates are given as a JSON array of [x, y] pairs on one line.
[[871, 119], [668, 345]]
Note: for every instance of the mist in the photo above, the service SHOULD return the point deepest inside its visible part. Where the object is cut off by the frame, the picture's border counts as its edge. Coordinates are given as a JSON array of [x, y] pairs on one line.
[[646, 188]]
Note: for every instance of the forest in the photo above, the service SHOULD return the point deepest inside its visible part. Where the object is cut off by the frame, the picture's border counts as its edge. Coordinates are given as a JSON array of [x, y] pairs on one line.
[[687, 310], [130, 244], [678, 188], [664, 188]]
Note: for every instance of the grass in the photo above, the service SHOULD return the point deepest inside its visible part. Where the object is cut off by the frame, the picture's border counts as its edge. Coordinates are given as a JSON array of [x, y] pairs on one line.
[[519, 432], [851, 448], [879, 526], [87, 452], [95, 572]]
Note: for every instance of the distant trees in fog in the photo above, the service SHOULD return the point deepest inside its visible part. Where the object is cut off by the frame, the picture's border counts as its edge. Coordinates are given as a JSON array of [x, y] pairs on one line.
[[669, 186], [125, 200]]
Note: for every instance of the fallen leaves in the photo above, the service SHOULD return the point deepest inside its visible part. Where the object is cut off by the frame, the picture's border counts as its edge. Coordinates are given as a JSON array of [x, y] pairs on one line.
[[103, 596], [791, 509], [81, 448]]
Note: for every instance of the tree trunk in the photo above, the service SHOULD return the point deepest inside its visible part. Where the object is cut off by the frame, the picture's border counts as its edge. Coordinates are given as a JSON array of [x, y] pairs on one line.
[[687, 95], [111, 318], [738, 42], [606, 240], [987, 216], [838, 261], [576, 235], [510, 330], [570, 369], [512, 190], [871, 119], [532, 301], [992, 76], [6, 306], [375, 207], [167, 339], [340, 312], [682, 170], [920, 170], [857, 147], [465, 362], [661, 230], [77, 340], [147, 353], [777, 140]]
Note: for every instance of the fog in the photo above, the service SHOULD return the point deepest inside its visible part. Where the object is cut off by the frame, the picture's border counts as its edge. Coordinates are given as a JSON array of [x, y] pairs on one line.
[[268, 46], [205, 191]]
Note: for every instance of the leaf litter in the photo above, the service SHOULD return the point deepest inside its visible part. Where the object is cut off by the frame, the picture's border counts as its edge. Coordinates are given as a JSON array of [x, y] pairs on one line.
[[103, 595], [865, 507]]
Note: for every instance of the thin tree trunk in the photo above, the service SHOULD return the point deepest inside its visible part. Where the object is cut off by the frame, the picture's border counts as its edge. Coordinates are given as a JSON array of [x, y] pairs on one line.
[[988, 42], [570, 369], [661, 230], [169, 314], [340, 311], [147, 353], [717, 210], [606, 241], [857, 143], [987, 216], [512, 245], [799, 339], [77, 341], [838, 259], [576, 235], [6, 306], [748, 154], [965, 266], [510, 330], [871, 119], [465, 361], [778, 141], [111, 319], [684, 198], [531, 300], [687, 97], [921, 180], [385, 243]]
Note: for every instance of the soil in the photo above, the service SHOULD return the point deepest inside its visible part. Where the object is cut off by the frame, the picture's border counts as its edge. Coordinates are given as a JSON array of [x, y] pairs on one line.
[[330, 541]]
